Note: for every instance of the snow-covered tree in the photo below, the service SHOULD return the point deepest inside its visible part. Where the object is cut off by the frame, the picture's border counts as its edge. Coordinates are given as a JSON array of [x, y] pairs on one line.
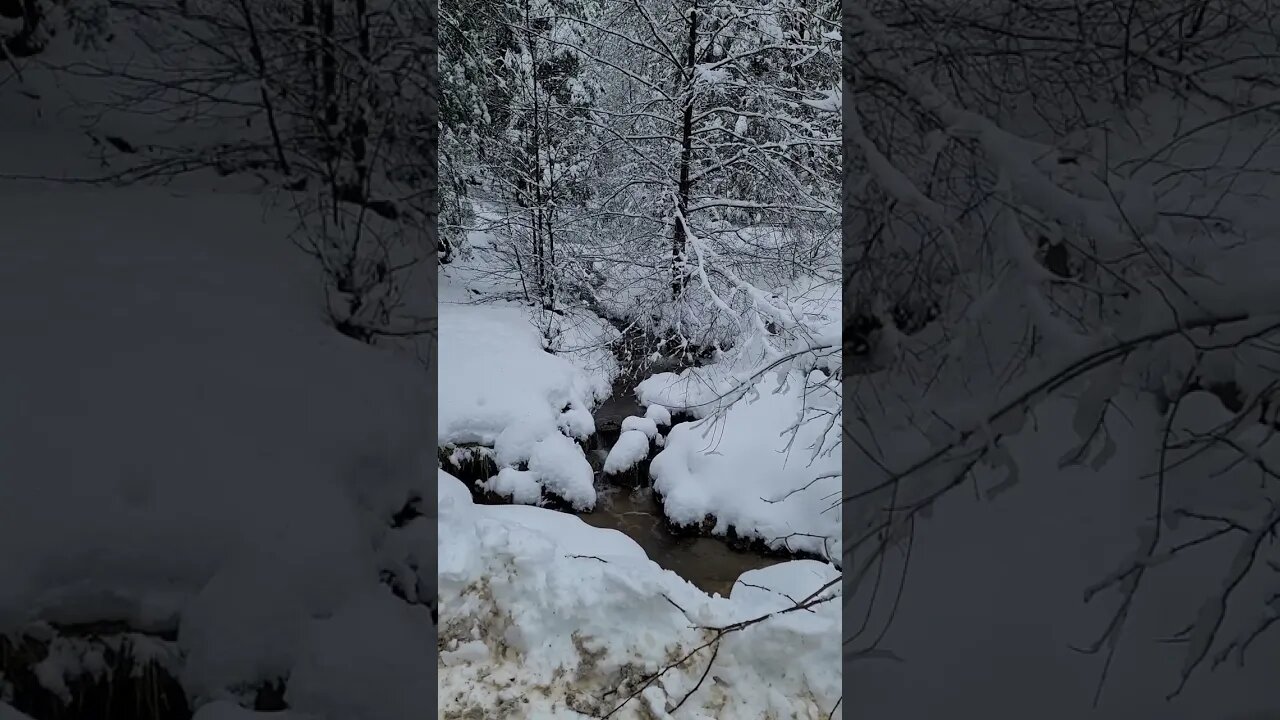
[[1013, 257], [334, 111]]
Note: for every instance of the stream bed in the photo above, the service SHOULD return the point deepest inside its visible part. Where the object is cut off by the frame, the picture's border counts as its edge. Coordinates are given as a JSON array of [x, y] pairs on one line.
[[627, 503], [708, 562]]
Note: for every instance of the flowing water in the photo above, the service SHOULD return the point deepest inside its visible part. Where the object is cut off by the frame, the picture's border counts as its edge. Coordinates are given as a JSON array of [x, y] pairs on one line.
[[628, 504], [706, 562], [709, 563]]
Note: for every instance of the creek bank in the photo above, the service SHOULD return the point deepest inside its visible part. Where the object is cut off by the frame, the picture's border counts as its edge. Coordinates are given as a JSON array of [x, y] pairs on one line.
[[104, 670], [92, 671], [627, 502]]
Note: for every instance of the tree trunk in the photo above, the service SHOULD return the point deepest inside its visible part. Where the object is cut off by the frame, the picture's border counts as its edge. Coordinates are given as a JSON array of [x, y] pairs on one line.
[[551, 214], [260, 67], [543, 270], [683, 190], [360, 125], [308, 24], [329, 78]]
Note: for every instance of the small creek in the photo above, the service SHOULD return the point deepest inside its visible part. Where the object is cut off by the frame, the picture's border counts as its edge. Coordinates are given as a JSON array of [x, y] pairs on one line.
[[708, 562], [628, 504]]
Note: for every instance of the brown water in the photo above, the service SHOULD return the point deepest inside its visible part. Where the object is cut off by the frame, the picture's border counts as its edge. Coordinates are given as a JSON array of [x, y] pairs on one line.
[[706, 562], [709, 563]]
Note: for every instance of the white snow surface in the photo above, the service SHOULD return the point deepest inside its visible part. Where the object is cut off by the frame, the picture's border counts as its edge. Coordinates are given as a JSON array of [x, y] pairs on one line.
[[187, 443], [784, 584], [658, 414], [749, 462], [738, 468], [543, 614], [1004, 565], [632, 448], [519, 485], [646, 425], [508, 383], [813, 311], [498, 374], [560, 466], [215, 458]]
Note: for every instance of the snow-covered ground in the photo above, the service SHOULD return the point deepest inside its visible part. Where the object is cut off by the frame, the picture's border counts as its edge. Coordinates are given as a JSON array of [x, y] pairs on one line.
[[995, 600], [764, 456], [993, 612], [523, 382], [746, 471], [544, 616], [189, 448]]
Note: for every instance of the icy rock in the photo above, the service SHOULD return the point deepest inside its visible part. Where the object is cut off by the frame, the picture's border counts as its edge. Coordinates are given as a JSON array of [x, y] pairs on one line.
[[658, 414], [645, 425], [632, 447]]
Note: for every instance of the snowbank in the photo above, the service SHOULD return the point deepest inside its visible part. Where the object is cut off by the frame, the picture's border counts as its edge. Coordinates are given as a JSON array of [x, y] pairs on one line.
[[501, 388], [1004, 565], [776, 588], [498, 375], [188, 445], [745, 469], [543, 616], [519, 485], [764, 457], [523, 382]]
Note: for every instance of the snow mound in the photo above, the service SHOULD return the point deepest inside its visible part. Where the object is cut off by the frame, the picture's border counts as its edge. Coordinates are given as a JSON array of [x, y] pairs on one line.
[[523, 382], [645, 425], [745, 469], [570, 531], [659, 415], [558, 464], [519, 485], [776, 588], [555, 463], [234, 461], [631, 449], [499, 375], [530, 626], [782, 585]]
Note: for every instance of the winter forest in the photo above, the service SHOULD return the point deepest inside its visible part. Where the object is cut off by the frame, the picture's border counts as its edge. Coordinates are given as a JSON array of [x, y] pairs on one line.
[[216, 233], [640, 359], [1061, 254], [787, 359]]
